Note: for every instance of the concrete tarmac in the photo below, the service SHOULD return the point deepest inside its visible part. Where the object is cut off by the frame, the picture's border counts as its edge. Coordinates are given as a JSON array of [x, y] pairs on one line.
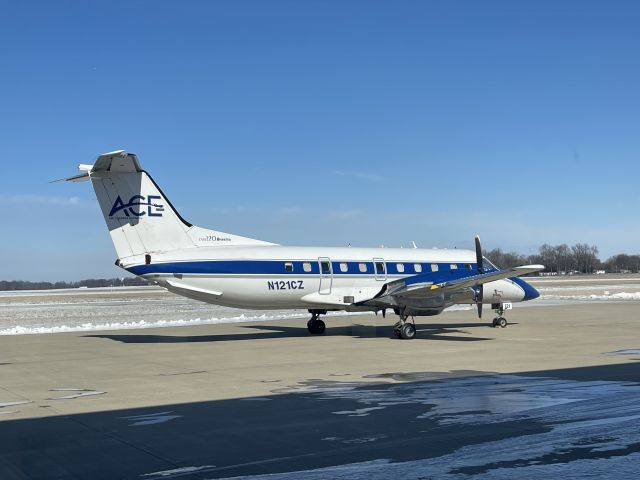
[[217, 401]]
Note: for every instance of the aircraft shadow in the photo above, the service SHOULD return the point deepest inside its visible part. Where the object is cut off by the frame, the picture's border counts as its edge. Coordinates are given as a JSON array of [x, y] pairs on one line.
[[320, 426], [442, 332]]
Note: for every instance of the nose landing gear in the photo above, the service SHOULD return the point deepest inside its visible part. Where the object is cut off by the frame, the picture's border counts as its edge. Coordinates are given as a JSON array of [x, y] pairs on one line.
[[500, 308], [500, 322]]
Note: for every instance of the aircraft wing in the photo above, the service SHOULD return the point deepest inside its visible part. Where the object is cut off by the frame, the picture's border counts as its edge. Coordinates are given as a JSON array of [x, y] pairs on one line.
[[419, 286]]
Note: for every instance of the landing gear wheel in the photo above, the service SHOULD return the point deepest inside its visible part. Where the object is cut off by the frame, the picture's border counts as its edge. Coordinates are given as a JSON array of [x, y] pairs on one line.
[[408, 331], [316, 327], [499, 321]]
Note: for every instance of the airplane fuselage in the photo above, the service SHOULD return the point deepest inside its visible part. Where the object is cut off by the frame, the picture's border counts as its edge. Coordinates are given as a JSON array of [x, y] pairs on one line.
[[329, 278]]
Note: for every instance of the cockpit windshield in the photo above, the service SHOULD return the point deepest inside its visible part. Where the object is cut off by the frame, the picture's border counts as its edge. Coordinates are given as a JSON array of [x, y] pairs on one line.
[[488, 266]]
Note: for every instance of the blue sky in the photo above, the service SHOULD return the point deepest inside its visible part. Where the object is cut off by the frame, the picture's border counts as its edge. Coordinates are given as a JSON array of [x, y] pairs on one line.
[[323, 123]]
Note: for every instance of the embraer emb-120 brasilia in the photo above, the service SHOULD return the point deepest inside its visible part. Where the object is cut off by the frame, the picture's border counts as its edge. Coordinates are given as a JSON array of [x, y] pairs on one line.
[[154, 242]]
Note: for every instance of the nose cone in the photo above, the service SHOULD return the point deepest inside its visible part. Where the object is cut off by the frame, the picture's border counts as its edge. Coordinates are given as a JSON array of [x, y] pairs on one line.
[[529, 292]]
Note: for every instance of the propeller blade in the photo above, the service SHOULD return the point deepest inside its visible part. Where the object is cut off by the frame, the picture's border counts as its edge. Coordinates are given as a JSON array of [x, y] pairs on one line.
[[479, 298], [478, 254], [479, 288]]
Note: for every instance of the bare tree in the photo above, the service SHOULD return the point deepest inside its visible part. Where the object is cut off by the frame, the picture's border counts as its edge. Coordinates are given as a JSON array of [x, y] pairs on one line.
[[623, 263], [565, 260], [586, 257], [549, 257], [558, 258], [505, 259]]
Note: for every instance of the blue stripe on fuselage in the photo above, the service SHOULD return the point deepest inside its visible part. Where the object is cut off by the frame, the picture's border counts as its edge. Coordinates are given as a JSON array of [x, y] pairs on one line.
[[529, 292], [277, 267]]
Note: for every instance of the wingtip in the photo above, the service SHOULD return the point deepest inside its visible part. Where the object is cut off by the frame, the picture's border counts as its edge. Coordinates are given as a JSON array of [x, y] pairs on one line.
[[531, 268]]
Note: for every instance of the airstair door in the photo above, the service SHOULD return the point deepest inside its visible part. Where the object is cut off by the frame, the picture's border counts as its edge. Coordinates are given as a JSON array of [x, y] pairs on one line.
[[326, 275], [380, 269]]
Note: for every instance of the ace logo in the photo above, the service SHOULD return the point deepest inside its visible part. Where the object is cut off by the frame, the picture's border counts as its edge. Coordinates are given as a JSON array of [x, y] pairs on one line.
[[138, 206]]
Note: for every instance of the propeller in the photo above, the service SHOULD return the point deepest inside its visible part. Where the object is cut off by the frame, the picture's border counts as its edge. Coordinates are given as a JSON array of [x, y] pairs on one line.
[[479, 288]]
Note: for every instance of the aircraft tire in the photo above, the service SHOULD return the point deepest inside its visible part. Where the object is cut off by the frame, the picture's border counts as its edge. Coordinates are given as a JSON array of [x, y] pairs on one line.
[[316, 327], [408, 331], [502, 322]]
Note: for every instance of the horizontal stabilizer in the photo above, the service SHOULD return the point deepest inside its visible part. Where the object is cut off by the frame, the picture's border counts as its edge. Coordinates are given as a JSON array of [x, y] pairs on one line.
[[118, 161]]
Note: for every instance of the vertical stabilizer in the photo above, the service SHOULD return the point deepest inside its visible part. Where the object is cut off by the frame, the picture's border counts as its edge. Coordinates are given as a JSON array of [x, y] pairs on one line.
[[140, 218]]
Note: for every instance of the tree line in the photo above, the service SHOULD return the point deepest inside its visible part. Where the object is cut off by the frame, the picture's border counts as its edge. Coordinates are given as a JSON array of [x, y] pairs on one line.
[[563, 259], [89, 283]]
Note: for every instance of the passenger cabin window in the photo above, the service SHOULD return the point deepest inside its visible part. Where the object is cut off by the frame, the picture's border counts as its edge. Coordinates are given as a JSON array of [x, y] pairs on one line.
[[325, 268], [306, 266], [400, 267], [467, 266], [288, 266], [344, 267], [380, 270], [453, 266], [362, 267], [417, 267], [434, 267]]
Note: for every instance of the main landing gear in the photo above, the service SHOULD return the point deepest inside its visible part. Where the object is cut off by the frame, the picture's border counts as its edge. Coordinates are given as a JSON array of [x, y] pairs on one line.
[[315, 325], [404, 329], [499, 321]]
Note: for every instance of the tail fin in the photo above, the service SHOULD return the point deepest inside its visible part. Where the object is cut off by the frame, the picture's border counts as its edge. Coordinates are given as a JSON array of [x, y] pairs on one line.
[[140, 218]]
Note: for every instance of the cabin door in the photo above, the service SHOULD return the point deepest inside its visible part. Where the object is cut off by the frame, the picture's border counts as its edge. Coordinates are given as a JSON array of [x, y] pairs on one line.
[[380, 269], [326, 275]]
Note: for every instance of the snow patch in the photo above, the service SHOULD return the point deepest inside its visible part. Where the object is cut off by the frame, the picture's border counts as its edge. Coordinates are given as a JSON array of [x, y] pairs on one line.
[[11, 404], [582, 417], [629, 351], [151, 419], [89, 327], [458, 308], [613, 296], [80, 392], [176, 471]]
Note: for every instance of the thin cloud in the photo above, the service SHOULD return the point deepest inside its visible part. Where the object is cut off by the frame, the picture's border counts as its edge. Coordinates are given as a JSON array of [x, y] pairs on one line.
[[290, 211], [343, 214], [369, 177], [31, 199]]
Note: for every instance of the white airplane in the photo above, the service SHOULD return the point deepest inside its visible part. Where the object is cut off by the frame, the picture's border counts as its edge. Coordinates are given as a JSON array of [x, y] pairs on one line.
[[154, 242]]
